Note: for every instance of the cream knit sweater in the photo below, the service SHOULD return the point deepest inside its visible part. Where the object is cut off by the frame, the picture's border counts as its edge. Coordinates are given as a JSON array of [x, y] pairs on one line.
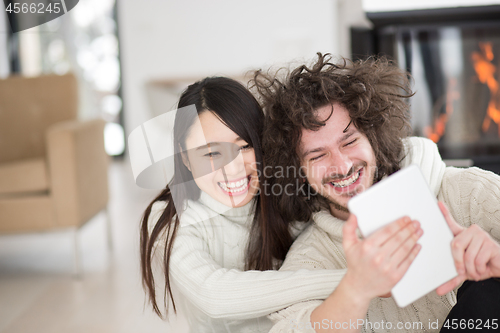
[[211, 288], [473, 197]]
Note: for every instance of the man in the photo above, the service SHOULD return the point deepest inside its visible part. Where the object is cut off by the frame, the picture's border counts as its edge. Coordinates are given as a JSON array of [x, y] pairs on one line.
[[344, 127]]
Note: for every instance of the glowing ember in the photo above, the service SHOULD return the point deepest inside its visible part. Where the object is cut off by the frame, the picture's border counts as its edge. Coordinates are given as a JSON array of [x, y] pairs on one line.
[[485, 71]]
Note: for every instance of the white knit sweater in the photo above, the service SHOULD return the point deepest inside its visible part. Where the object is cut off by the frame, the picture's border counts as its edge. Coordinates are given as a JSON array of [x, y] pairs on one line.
[[473, 197], [207, 264]]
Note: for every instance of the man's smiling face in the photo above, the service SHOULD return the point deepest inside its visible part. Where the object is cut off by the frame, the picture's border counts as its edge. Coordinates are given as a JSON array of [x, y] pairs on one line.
[[338, 159]]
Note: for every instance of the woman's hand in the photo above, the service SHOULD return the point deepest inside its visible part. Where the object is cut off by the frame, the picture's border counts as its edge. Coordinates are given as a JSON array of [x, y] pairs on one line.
[[376, 264]]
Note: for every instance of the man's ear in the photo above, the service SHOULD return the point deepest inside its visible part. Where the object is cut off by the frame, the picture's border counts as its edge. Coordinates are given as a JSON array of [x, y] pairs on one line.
[[185, 160]]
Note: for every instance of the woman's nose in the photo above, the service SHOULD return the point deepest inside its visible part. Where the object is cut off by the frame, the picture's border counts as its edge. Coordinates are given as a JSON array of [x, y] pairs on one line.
[[236, 167]]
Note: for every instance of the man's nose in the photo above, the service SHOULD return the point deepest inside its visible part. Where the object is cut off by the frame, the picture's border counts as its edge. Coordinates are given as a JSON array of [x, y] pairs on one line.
[[340, 164]]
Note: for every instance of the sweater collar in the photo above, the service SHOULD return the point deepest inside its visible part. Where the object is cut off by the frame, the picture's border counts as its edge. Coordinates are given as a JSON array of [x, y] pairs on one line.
[[220, 209], [424, 153], [329, 223]]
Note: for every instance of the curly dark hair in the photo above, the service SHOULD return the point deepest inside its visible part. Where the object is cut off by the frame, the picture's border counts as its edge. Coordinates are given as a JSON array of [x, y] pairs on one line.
[[373, 91]]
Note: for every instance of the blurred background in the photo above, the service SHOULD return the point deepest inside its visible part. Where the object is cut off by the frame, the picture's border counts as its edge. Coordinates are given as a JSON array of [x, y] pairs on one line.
[[73, 88]]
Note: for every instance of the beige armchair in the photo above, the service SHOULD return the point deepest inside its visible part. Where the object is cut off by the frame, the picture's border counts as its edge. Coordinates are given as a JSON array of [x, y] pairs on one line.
[[53, 167]]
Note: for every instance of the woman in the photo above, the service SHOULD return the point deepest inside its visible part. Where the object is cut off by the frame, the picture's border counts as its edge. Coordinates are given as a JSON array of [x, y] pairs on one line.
[[221, 244]]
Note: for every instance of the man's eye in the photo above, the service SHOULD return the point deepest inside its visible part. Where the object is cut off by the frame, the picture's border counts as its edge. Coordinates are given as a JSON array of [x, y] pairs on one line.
[[351, 142], [316, 158]]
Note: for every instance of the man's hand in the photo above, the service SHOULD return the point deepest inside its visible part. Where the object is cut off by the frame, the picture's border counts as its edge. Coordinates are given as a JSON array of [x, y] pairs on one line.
[[377, 263], [374, 266], [476, 254]]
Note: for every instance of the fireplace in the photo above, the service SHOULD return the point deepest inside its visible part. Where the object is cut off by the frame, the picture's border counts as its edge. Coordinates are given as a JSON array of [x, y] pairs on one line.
[[453, 56]]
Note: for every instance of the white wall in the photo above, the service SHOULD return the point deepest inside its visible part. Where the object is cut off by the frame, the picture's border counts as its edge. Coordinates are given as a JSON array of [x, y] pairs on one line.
[[351, 14], [164, 39], [394, 5]]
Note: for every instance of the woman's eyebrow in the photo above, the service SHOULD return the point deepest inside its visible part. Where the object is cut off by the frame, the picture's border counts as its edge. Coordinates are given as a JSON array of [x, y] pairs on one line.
[[208, 145]]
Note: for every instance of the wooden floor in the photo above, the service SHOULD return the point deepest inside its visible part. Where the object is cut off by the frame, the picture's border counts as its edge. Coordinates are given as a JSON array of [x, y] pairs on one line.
[[39, 294]]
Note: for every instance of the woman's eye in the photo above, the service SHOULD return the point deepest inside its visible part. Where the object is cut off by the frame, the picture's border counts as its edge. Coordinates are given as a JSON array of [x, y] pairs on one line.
[[316, 157], [245, 147], [212, 154]]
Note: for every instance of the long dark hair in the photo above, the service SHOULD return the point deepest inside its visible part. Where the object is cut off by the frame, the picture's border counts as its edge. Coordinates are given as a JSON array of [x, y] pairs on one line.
[[237, 108], [373, 91]]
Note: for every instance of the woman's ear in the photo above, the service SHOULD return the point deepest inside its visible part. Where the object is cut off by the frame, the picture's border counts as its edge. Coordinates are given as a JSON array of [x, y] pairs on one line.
[[185, 160]]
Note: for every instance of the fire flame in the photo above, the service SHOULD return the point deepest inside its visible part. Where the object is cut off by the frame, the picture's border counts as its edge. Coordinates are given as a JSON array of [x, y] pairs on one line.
[[485, 71], [436, 132]]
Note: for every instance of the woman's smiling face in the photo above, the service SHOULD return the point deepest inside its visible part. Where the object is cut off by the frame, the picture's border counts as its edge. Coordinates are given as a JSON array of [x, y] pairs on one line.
[[223, 164]]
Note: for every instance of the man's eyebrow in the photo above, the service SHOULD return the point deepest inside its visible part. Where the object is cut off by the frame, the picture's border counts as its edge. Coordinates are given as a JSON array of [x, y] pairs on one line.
[[208, 145], [315, 150], [346, 135]]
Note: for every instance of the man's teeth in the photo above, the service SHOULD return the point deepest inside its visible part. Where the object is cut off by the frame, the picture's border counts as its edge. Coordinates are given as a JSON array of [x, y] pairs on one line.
[[234, 187], [348, 181]]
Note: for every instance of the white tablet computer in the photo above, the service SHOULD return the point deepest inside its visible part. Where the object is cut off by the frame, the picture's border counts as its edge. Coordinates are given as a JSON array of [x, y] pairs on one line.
[[406, 193]]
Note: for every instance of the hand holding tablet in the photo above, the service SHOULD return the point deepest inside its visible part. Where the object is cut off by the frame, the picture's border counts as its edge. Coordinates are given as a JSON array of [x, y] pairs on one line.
[[406, 193], [375, 264]]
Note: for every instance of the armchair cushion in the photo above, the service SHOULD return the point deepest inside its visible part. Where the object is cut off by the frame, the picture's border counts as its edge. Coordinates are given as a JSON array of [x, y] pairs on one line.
[[78, 167], [26, 214], [23, 176]]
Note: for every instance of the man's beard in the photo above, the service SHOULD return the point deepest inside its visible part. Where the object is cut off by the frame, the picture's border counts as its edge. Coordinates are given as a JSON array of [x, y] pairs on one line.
[[337, 206], [334, 205]]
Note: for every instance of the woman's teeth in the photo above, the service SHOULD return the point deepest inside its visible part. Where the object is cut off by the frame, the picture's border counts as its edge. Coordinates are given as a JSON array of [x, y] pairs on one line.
[[234, 187], [348, 181]]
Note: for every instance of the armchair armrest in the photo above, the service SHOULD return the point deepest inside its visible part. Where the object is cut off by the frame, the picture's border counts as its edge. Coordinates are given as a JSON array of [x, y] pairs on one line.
[[78, 170]]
